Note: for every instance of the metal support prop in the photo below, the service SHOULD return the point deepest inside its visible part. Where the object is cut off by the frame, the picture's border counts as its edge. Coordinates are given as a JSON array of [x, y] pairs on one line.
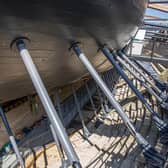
[[59, 148], [162, 86], [101, 102], [104, 99], [86, 132], [47, 103], [149, 89], [140, 72], [11, 137], [160, 124], [106, 106], [91, 100], [151, 154], [58, 104], [98, 122]]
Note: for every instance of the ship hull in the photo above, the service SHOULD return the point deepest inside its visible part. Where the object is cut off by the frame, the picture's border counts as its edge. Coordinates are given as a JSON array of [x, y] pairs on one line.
[[51, 26]]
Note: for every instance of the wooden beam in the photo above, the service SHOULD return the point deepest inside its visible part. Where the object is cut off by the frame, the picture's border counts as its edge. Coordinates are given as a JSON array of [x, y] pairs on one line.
[[152, 17], [160, 7]]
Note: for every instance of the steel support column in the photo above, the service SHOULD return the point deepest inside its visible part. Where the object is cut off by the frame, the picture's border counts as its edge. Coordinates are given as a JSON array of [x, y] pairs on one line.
[[11, 137], [86, 132]]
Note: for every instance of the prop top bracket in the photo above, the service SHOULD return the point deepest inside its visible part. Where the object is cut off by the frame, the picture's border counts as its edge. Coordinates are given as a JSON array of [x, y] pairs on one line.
[[19, 40]]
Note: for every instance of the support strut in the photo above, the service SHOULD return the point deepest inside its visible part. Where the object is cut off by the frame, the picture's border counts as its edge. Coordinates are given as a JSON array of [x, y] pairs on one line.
[[135, 66], [104, 114], [149, 152], [160, 124], [149, 89], [57, 97], [86, 132], [98, 122], [161, 85], [11, 137], [46, 101], [65, 163]]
